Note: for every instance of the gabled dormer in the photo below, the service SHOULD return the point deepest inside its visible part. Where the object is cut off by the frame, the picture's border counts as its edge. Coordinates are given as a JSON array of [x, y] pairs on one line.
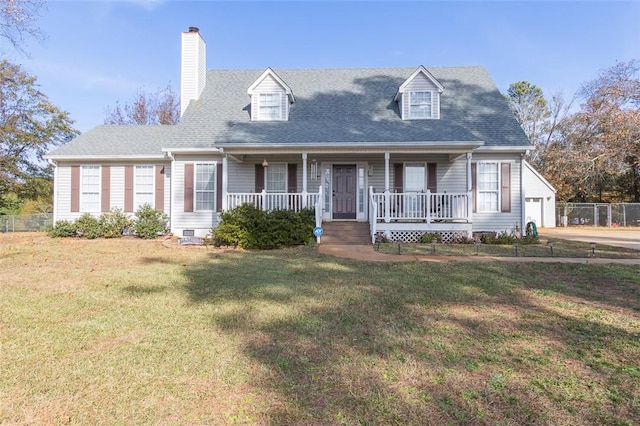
[[270, 98], [419, 96]]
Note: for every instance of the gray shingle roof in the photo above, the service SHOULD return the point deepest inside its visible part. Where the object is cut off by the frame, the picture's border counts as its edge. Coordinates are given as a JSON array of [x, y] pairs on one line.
[[352, 105]]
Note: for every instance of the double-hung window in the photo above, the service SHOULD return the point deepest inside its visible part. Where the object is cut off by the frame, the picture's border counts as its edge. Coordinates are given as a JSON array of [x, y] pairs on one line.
[[488, 187], [205, 187], [276, 178], [90, 189], [420, 104], [269, 106], [144, 186]]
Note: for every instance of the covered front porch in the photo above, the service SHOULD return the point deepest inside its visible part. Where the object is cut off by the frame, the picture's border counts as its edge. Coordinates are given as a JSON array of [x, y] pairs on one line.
[[422, 192]]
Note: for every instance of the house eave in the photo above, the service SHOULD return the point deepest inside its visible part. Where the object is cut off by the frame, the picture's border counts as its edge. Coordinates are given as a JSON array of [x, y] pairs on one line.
[[506, 148], [448, 147], [103, 157]]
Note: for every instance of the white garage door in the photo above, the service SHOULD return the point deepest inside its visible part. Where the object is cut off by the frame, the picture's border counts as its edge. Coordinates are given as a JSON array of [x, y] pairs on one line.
[[533, 211]]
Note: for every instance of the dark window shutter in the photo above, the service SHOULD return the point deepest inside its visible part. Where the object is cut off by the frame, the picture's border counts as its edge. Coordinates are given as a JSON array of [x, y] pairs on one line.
[[292, 178], [188, 187], [397, 177], [75, 188], [219, 187], [128, 188], [432, 177], [159, 200], [105, 188], [505, 187], [474, 185], [259, 178]]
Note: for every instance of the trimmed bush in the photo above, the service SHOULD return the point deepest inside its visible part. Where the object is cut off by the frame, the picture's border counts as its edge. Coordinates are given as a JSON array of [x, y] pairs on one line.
[[63, 229], [150, 223], [251, 228], [88, 226], [115, 223]]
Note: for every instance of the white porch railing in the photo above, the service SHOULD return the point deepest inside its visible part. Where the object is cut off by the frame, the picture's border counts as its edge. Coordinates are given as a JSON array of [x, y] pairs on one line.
[[420, 206], [274, 200], [318, 207], [373, 213]]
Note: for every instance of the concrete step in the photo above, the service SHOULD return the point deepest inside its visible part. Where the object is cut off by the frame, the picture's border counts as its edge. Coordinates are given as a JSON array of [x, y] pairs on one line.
[[345, 233]]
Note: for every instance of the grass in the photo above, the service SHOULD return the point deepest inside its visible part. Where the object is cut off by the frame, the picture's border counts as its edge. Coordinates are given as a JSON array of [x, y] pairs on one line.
[[133, 332], [561, 248]]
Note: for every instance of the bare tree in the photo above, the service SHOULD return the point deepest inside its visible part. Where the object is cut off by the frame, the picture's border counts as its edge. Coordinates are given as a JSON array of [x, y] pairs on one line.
[[146, 108], [18, 20]]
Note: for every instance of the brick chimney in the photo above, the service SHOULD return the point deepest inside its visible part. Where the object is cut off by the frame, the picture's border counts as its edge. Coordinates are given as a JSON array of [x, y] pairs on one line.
[[193, 71]]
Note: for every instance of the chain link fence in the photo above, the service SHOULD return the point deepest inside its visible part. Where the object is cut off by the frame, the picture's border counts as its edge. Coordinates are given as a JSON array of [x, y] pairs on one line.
[[26, 222], [598, 214]]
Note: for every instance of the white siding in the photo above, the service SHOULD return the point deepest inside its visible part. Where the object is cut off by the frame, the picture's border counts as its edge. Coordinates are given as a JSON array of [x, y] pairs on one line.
[[193, 68], [201, 222], [498, 221], [534, 187], [269, 85], [421, 84]]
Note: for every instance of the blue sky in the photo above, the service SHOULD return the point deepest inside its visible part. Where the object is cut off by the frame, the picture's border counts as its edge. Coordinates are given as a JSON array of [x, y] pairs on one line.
[[98, 52]]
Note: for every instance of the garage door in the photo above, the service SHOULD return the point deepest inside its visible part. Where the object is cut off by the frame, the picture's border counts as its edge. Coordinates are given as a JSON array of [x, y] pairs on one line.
[[533, 211]]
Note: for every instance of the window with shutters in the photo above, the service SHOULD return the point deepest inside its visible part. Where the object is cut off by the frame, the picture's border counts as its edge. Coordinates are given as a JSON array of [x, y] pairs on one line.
[[488, 187], [205, 187], [276, 177], [90, 189], [144, 180]]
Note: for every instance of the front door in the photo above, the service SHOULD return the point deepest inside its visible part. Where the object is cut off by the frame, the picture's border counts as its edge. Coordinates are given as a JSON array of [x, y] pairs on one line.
[[344, 191]]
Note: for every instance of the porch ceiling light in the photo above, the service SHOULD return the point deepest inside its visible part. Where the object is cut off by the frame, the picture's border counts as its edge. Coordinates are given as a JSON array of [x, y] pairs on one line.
[[265, 163]]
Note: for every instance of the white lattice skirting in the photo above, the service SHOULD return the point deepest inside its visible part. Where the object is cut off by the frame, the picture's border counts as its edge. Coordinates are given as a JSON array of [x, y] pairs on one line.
[[448, 237]]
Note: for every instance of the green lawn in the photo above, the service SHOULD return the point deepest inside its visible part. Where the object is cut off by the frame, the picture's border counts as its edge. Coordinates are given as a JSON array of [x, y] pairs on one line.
[[133, 332]]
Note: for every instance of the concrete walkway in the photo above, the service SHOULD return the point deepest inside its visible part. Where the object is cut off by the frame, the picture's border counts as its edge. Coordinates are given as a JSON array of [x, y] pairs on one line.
[[367, 253]]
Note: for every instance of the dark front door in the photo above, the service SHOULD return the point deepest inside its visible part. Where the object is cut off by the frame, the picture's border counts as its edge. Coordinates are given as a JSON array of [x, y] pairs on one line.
[[344, 192]]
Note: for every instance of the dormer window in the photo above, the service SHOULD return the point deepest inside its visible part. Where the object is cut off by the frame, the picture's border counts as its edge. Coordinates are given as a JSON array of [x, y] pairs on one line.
[[271, 98], [419, 96], [420, 105], [269, 106]]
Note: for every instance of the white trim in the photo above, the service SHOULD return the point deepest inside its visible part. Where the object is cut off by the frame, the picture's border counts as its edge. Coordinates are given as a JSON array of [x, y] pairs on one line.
[[81, 189], [136, 202], [276, 77], [204, 150], [497, 190], [420, 70], [268, 103], [413, 107], [110, 158], [509, 148], [195, 186]]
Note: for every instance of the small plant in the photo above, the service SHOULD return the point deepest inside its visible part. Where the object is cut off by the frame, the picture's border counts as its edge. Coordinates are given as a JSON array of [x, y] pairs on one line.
[[63, 229], [427, 238], [88, 226], [530, 239], [149, 222], [500, 238], [115, 223], [381, 237]]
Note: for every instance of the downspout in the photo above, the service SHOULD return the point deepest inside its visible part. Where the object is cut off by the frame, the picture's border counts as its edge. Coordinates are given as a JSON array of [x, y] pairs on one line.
[[55, 190], [169, 155]]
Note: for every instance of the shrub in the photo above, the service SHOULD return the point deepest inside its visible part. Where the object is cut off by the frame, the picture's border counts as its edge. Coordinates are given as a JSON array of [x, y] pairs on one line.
[[114, 223], [88, 226], [149, 223], [249, 227], [428, 237], [63, 229], [529, 239], [500, 238]]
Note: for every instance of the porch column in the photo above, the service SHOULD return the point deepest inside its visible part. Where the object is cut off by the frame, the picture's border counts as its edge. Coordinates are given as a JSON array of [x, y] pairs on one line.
[[387, 191], [469, 187], [304, 180], [225, 181]]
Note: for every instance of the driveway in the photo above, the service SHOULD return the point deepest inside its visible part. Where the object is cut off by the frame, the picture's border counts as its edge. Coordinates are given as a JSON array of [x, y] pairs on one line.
[[619, 237]]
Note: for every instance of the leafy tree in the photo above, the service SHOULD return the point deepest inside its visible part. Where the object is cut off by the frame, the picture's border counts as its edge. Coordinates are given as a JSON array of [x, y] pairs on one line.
[[30, 125], [18, 20], [597, 154], [146, 108]]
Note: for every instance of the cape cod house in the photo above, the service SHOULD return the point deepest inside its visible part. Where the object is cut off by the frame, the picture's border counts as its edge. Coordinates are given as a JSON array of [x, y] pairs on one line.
[[406, 150]]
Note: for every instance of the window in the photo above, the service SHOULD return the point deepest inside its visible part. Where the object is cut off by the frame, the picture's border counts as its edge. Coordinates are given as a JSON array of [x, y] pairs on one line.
[[276, 178], [488, 187], [414, 177], [90, 189], [269, 106], [144, 180], [205, 187], [420, 105]]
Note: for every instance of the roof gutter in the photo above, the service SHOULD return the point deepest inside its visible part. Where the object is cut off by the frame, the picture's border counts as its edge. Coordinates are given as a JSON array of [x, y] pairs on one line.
[[104, 157]]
